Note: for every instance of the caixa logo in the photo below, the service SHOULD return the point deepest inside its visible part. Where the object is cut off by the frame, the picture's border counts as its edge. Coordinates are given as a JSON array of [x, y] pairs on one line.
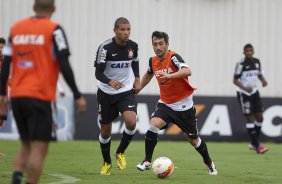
[[25, 64], [121, 65]]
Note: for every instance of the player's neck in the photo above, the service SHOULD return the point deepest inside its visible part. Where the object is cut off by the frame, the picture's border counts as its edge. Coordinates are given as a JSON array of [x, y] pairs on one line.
[[119, 42], [249, 59], [43, 14], [162, 57]]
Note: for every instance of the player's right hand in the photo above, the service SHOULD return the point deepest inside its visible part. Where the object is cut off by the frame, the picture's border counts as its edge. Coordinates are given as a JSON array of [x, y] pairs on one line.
[[81, 104], [248, 89], [116, 85]]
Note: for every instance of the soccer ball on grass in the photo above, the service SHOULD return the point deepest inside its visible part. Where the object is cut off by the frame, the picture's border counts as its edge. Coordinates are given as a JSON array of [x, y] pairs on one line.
[[162, 167]]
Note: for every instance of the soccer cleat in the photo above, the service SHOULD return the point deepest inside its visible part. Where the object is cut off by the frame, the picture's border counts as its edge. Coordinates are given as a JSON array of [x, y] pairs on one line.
[[261, 149], [145, 165], [211, 168], [121, 161], [106, 169]]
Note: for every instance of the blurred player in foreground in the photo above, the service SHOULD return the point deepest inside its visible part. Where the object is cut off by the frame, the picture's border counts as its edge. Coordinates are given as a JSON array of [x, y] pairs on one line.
[[37, 51]]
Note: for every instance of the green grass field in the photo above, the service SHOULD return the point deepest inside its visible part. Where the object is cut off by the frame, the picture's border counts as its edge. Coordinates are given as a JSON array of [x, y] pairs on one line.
[[82, 161]]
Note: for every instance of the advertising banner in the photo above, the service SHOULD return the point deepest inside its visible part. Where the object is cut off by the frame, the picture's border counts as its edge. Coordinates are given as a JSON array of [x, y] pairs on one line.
[[219, 119]]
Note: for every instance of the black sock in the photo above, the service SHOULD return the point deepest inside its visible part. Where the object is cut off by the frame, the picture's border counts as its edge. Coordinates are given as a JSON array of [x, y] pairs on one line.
[[203, 150], [258, 129], [105, 149], [17, 177], [29, 183], [254, 138], [125, 141], [151, 140]]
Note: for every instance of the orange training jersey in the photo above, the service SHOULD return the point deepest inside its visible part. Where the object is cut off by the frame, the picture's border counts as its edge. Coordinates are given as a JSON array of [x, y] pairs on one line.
[[171, 90], [34, 67]]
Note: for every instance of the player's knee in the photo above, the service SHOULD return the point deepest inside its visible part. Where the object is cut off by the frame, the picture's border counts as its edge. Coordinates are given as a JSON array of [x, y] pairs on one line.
[[105, 134], [259, 119], [130, 125], [193, 141]]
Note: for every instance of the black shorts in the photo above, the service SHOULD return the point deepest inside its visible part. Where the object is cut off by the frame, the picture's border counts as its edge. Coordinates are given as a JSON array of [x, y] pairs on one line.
[[185, 120], [109, 106], [33, 118], [250, 104]]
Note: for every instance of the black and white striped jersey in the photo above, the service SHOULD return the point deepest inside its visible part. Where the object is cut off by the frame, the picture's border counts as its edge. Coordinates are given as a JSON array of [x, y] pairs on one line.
[[248, 71], [114, 62]]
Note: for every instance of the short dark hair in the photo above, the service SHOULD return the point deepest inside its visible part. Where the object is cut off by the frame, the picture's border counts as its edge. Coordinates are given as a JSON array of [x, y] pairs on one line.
[[121, 20], [2, 40], [43, 5], [160, 34], [248, 46]]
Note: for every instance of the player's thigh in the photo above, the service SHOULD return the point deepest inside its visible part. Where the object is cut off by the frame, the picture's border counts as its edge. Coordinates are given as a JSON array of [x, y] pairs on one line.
[[107, 110], [40, 120], [19, 114], [158, 122], [36, 118], [245, 103], [162, 116], [257, 103], [127, 102], [188, 122]]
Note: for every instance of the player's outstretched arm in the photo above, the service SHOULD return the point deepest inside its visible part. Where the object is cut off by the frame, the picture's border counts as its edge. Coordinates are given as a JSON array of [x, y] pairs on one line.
[[137, 85], [263, 80], [145, 80]]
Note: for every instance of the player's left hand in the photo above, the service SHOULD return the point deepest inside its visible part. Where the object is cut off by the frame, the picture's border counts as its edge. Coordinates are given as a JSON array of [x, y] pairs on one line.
[[264, 83], [3, 109], [163, 75]]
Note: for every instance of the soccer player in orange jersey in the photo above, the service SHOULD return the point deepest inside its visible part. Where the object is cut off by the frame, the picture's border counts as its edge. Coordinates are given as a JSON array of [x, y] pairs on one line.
[[176, 101]]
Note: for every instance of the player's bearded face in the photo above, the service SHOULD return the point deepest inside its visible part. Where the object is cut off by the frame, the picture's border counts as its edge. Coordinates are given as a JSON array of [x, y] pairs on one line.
[[123, 32], [159, 45]]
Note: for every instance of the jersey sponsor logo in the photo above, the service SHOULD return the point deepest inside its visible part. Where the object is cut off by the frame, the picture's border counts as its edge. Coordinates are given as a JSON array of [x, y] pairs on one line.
[[32, 39], [103, 56], [131, 106], [60, 40], [114, 54], [250, 73], [174, 59], [25, 64], [238, 69], [166, 70], [130, 53], [22, 54], [120, 65]]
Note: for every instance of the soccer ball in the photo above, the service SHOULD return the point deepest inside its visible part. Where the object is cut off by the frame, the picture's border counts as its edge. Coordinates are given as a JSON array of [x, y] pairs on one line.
[[162, 167]]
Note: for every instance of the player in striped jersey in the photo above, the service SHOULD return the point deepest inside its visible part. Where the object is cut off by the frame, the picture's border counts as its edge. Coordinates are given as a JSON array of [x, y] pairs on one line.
[[117, 71], [247, 72]]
